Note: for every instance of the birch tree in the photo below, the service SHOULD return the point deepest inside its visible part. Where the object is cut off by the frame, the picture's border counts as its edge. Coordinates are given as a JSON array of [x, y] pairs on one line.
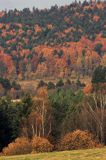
[[96, 106]]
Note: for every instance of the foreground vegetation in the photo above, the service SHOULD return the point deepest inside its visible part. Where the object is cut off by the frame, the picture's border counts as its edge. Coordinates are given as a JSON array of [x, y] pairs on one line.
[[59, 118], [91, 154]]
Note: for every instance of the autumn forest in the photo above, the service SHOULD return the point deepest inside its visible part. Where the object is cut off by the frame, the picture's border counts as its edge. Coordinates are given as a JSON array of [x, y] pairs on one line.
[[53, 78]]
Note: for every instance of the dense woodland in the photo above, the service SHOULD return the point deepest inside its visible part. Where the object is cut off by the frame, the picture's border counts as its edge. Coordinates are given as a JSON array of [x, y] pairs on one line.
[[58, 43]]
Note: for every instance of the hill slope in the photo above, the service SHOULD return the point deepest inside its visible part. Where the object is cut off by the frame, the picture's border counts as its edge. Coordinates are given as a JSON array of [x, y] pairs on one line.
[[58, 42]]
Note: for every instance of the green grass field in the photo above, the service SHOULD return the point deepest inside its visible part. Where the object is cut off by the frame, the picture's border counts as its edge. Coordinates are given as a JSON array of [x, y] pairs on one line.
[[91, 154]]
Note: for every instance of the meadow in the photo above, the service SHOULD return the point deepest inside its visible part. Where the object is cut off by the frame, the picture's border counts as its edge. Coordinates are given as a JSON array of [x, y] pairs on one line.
[[89, 154]]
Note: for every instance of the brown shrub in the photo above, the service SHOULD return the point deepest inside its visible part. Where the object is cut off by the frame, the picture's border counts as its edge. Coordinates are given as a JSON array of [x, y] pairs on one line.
[[41, 145], [24, 146], [77, 140], [19, 146]]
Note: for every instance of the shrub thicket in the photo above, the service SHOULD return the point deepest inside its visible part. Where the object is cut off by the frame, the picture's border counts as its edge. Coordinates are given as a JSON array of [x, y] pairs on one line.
[[78, 140], [41, 145], [24, 146], [19, 146]]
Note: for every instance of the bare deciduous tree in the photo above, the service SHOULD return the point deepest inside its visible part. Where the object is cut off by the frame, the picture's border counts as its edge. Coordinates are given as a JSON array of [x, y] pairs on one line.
[[96, 106]]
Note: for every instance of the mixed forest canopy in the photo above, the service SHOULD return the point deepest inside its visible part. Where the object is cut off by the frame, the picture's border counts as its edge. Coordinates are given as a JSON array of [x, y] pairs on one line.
[[55, 42]]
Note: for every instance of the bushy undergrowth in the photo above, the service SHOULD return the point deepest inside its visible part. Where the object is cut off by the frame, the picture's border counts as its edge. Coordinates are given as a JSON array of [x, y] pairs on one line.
[[41, 145], [25, 146], [77, 140], [19, 146]]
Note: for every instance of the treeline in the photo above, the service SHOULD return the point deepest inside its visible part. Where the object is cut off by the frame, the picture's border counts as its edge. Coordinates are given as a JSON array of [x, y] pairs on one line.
[[44, 121]]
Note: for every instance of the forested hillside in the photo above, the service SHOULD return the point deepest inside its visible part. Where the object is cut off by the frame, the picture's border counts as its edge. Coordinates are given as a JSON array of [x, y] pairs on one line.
[[53, 78], [56, 42]]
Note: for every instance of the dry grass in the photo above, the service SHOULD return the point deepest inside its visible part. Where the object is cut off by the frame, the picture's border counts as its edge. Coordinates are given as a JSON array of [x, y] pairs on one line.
[[91, 154], [32, 84]]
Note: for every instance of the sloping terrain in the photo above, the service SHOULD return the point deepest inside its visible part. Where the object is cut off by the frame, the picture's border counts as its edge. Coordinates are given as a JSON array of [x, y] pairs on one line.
[[58, 42]]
